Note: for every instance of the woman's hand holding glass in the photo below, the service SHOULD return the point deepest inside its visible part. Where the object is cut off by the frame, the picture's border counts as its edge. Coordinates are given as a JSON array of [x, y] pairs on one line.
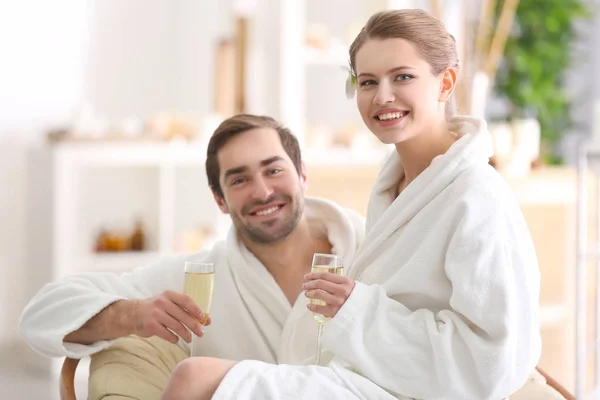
[[327, 289], [331, 289]]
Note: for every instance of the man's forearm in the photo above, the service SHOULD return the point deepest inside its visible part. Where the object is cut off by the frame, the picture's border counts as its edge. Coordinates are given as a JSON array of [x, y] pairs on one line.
[[114, 321]]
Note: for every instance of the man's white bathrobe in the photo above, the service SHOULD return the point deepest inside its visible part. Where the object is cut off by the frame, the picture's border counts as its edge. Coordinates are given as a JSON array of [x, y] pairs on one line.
[[446, 300], [249, 310]]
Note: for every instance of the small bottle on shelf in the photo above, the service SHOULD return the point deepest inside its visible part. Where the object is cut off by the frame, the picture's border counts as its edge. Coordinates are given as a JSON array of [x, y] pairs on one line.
[[138, 238]]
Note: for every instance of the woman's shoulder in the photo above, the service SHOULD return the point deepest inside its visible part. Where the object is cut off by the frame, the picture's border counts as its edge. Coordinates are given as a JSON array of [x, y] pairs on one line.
[[483, 193], [485, 202], [482, 181]]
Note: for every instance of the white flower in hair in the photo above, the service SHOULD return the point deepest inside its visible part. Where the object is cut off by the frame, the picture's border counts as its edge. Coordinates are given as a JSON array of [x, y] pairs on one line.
[[350, 83]]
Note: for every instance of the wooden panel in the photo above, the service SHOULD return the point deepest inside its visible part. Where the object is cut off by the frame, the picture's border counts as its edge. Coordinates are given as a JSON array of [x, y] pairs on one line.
[[348, 186]]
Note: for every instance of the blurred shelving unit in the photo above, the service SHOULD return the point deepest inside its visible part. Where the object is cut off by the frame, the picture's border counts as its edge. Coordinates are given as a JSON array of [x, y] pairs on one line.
[[163, 184]]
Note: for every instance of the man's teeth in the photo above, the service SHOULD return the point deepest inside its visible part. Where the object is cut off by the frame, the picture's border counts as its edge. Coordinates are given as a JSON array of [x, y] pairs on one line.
[[267, 211], [387, 116]]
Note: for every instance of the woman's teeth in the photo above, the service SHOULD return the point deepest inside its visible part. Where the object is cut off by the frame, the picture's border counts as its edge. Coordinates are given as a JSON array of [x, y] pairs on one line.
[[388, 116], [268, 211]]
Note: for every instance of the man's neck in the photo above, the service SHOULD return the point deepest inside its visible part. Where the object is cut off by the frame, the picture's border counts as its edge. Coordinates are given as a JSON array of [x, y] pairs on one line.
[[291, 258], [293, 253]]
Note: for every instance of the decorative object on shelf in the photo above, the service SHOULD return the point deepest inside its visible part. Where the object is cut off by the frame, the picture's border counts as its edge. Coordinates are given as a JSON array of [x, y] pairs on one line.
[[323, 136], [197, 239], [502, 137], [481, 56], [242, 23], [172, 125], [118, 241], [225, 88], [436, 8], [138, 238], [317, 37], [164, 126], [319, 136], [344, 136], [516, 146]]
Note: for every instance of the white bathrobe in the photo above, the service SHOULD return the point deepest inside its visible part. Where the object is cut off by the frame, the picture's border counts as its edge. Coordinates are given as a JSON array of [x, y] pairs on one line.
[[446, 300], [249, 310]]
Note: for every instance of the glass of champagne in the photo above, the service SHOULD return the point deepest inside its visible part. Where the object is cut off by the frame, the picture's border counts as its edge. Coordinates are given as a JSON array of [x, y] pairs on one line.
[[324, 263], [199, 278]]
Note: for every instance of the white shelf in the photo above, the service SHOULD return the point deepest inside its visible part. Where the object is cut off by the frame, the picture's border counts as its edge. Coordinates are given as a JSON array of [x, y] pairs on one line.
[[335, 56], [120, 261], [165, 183], [132, 154], [102, 183], [345, 157]]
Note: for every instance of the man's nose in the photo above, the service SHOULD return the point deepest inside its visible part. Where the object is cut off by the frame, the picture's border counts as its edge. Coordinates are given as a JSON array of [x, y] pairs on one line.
[[262, 190]]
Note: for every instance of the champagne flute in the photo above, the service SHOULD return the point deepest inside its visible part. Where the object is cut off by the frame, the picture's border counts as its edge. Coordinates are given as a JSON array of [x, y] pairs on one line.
[[199, 278], [324, 263]]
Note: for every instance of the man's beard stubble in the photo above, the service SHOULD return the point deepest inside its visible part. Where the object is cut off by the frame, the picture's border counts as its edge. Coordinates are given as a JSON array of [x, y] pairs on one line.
[[256, 234]]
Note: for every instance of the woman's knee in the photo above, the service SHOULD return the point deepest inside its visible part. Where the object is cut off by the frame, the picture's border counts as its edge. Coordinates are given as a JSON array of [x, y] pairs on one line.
[[186, 369], [183, 379], [197, 378]]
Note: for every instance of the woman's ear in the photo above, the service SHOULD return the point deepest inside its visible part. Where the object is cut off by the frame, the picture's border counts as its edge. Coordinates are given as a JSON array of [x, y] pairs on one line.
[[448, 84]]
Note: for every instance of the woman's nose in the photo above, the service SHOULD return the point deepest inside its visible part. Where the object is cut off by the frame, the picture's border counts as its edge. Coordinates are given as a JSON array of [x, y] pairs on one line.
[[384, 94]]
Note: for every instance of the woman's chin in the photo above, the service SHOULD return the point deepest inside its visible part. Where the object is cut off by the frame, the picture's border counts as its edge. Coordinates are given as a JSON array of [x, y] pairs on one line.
[[391, 136]]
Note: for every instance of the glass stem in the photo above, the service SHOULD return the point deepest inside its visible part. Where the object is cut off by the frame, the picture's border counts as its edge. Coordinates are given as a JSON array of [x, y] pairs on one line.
[[319, 333], [192, 346]]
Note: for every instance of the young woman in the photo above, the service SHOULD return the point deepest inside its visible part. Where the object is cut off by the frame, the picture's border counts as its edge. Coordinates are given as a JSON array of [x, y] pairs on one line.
[[441, 301]]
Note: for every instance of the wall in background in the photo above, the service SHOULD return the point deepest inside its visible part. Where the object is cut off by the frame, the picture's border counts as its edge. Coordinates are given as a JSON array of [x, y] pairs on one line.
[[40, 77], [121, 58], [147, 56]]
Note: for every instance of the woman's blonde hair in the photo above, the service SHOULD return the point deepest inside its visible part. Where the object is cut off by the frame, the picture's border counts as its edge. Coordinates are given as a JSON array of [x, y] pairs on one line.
[[429, 34]]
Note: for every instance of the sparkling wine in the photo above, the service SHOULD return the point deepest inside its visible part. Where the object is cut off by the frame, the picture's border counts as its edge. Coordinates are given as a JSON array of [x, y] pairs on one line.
[[199, 286], [321, 319]]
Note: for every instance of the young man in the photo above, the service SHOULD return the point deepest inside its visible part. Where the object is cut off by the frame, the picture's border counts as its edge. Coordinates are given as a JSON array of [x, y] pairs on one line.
[[256, 174]]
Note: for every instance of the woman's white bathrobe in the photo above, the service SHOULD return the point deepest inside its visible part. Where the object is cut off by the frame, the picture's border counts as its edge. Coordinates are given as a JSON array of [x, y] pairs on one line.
[[446, 300], [249, 310]]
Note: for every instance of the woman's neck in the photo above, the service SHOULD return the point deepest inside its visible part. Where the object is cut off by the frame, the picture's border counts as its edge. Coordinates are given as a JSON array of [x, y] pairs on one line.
[[418, 152]]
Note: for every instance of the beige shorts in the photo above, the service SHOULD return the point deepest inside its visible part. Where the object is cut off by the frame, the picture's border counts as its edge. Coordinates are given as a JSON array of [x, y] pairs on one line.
[[133, 368]]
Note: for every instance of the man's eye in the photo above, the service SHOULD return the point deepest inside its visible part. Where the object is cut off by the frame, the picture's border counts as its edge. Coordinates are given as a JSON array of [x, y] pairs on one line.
[[238, 181]]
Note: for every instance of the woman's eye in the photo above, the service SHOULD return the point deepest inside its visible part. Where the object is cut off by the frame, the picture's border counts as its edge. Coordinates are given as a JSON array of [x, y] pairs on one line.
[[368, 83], [404, 77]]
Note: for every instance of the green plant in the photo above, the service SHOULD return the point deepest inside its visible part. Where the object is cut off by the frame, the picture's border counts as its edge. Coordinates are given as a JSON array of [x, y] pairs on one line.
[[538, 53]]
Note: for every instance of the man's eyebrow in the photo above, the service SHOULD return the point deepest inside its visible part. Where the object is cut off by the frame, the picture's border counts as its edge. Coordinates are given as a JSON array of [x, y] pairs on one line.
[[235, 171], [270, 160], [244, 168]]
